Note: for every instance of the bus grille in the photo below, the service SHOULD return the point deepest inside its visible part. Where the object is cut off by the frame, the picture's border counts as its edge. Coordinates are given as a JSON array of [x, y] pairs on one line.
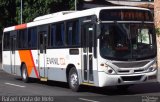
[[131, 64], [131, 78]]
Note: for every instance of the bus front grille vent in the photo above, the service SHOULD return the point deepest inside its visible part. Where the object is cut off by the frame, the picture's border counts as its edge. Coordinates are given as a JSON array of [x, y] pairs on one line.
[[131, 78], [131, 64]]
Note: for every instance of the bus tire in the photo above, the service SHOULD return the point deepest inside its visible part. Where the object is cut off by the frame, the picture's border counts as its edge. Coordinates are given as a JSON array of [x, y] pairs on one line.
[[24, 74], [73, 80]]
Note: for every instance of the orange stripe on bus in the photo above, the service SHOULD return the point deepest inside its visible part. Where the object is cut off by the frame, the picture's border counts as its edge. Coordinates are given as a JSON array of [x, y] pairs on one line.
[[26, 57], [35, 70], [22, 26]]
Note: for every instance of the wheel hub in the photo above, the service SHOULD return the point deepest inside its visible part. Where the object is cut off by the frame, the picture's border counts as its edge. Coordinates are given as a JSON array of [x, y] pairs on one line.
[[24, 74], [74, 79]]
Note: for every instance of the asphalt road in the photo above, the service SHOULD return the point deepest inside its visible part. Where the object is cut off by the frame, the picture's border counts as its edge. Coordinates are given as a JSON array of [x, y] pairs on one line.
[[12, 87]]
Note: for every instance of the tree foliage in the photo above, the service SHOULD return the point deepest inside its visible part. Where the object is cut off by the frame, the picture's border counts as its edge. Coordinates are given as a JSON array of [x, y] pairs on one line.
[[35, 8], [157, 31], [7, 13], [10, 10]]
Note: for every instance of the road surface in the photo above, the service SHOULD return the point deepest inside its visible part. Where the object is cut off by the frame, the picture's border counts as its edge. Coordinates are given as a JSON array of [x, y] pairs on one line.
[[12, 87]]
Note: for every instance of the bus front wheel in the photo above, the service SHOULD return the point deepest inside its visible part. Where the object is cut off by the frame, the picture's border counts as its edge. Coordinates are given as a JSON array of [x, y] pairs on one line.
[[73, 80], [24, 75]]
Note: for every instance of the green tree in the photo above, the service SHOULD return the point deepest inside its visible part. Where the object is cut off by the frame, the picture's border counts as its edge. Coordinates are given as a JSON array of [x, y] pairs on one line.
[[7, 14], [31, 9], [35, 8]]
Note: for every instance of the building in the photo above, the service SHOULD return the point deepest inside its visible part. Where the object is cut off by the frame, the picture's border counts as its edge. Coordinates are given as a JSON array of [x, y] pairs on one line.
[[139, 3], [157, 13], [157, 24]]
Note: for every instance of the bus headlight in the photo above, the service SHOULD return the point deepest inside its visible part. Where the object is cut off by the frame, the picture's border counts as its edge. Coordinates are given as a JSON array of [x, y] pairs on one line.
[[109, 70], [152, 68]]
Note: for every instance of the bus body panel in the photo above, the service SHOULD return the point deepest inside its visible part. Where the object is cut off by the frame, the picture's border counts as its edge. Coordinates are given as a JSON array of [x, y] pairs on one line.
[[7, 61], [112, 80], [57, 63]]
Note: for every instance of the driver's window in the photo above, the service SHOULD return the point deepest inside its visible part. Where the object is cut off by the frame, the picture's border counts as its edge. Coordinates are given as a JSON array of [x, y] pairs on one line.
[[143, 36]]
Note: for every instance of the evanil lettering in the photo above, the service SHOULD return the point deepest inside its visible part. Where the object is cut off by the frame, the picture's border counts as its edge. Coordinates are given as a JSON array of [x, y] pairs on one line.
[[55, 61]]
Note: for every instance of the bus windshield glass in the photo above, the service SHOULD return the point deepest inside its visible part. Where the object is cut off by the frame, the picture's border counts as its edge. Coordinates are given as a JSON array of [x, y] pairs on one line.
[[127, 41]]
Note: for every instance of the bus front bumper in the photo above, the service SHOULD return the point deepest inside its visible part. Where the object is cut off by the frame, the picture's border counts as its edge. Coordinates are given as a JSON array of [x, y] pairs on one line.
[[112, 80]]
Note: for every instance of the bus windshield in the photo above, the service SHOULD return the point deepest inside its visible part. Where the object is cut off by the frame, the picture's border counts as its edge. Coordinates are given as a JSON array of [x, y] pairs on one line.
[[127, 41]]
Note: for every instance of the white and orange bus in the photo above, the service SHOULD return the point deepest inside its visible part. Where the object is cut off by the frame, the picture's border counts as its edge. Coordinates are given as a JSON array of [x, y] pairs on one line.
[[104, 46]]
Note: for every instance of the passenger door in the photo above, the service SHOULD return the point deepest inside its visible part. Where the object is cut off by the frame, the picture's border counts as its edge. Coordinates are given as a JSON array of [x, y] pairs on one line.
[[87, 29], [12, 51], [42, 45]]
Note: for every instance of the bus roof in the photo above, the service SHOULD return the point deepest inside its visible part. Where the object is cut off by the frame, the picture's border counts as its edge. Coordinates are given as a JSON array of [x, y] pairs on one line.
[[66, 15]]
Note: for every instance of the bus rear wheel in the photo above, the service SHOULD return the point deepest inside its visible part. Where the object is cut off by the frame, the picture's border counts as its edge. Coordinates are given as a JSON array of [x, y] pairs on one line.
[[24, 74], [73, 80]]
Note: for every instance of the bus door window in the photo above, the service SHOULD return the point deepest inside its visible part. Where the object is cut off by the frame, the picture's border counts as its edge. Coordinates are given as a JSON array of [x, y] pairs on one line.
[[6, 41], [42, 42], [13, 42]]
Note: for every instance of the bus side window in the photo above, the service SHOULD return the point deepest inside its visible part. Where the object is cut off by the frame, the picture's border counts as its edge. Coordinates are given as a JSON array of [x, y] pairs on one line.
[[32, 37], [77, 34], [72, 34], [29, 38], [6, 41], [60, 35], [53, 33], [69, 29], [22, 39]]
